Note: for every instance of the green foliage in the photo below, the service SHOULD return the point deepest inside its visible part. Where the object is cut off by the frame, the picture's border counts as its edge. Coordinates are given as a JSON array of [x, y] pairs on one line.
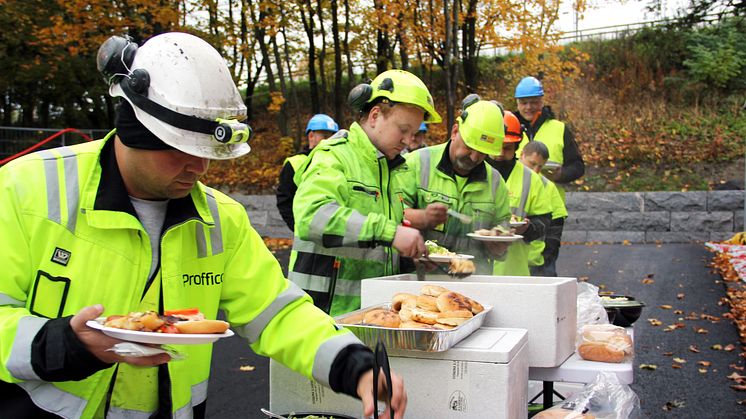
[[716, 56]]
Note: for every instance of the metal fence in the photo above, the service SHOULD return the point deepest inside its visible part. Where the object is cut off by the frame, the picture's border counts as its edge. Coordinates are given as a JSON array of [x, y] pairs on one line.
[[14, 140]]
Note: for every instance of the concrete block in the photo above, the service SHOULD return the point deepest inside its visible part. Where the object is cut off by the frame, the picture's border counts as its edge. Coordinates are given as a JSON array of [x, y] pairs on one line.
[[738, 220], [588, 220], [275, 219], [580, 236], [640, 221], [257, 218], [675, 201], [702, 221], [725, 200], [616, 236], [718, 236], [676, 236], [274, 231], [604, 201]]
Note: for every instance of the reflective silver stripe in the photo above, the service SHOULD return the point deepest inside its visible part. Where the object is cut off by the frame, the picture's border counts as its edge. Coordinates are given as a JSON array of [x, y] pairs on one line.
[[544, 180], [327, 353], [53, 186], [347, 287], [353, 227], [495, 182], [310, 282], [199, 229], [50, 398], [526, 189], [374, 253], [321, 220], [6, 300], [424, 168], [119, 413], [19, 362], [72, 187], [216, 234], [254, 328]]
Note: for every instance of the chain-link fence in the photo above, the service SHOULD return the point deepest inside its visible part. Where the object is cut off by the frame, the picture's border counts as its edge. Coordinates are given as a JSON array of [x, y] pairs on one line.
[[14, 140]]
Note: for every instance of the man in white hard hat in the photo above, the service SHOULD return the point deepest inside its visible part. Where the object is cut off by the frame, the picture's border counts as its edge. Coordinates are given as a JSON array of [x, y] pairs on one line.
[[123, 225]]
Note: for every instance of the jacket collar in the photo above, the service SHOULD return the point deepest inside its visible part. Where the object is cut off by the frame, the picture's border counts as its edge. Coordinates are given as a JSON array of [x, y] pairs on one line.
[[546, 114], [445, 166], [361, 142], [505, 167], [112, 195]]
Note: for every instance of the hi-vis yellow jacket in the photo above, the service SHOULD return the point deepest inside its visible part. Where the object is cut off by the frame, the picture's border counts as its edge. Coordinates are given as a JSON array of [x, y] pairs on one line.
[[70, 238]]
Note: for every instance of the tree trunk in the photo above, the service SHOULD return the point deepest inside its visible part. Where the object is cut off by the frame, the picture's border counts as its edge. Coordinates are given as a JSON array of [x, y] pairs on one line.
[[337, 64], [470, 49], [454, 61], [350, 71], [382, 40], [312, 82], [297, 135], [283, 116], [447, 65], [322, 57], [401, 37]]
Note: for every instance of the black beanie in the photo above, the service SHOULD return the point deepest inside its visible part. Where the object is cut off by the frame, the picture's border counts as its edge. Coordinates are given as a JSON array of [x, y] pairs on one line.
[[133, 133]]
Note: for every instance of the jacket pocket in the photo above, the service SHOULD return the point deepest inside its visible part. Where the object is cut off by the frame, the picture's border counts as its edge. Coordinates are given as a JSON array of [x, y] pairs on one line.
[[49, 295]]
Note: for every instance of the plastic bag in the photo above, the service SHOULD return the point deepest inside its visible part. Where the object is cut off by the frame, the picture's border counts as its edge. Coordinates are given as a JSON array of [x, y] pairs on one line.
[[136, 350], [604, 343], [590, 308], [603, 398]]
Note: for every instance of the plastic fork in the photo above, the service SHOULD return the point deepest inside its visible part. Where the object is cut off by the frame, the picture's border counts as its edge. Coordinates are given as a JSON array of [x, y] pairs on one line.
[[465, 219]]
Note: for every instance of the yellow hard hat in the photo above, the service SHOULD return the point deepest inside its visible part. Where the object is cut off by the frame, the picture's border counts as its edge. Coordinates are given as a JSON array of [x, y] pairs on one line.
[[481, 126], [397, 86]]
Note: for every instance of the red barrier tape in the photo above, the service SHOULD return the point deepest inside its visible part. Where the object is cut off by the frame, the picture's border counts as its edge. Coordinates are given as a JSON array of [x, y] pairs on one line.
[[42, 142]]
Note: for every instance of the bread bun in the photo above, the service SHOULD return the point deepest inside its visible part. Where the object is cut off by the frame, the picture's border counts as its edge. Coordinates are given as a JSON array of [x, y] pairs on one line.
[[454, 318], [452, 301], [202, 326], [427, 303], [356, 318], [424, 316], [443, 326], [604, 343], [380, 317], [600, 352], [476, 308], [405, 314], [403, 299], [414, 325], [562, 414], [432, 290]]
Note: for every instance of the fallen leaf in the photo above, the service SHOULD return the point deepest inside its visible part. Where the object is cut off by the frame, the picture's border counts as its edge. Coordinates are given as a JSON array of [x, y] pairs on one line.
[[704, 363], [729, 347], [667, 353], [702, 370], [693, 349], [673, 404], [736, 367], [655, 322], [647, 281], [736, 376], [676, 366], [680, 360], [665, 307], [680, 296], [702, 331], [742, 402], [247, 368], [716, 347], [739, 387], [652, 367], [678, 312]]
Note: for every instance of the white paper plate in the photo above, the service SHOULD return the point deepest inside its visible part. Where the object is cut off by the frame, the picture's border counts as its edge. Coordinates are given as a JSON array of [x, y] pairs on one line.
[[157, 338], [514, 237], [550, 165], [518, 223], [447, 258]]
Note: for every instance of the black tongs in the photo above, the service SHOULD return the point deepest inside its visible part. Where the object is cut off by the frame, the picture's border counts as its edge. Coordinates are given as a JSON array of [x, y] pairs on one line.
[[381, 362]]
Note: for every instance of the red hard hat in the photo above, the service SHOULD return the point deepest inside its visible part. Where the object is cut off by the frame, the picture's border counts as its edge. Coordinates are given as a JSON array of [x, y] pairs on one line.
[[513, 133]]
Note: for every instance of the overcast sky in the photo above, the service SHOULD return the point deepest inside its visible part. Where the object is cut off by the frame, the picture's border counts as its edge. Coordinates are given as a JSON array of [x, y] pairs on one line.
[[613, 12]]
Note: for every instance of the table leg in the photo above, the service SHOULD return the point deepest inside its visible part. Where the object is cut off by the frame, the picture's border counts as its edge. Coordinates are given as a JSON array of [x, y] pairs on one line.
[[548, 394]]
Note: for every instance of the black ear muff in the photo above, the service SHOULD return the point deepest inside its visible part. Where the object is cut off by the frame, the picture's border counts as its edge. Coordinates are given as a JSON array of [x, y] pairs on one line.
[[139, 81], [469, 100], [115, 57], [387, 84], [359, 96]]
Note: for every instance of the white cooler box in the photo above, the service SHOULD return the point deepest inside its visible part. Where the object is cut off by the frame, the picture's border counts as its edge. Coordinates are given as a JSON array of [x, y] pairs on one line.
[[483, 376], [546, 306]]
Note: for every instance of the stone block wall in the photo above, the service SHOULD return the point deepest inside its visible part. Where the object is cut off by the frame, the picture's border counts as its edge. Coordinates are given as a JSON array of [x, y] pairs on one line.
[[609, 217]]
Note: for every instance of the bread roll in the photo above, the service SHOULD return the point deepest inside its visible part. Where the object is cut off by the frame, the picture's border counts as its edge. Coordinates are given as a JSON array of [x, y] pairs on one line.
[[403, 299], [424, 316], [202, 326], [380, 317], [555, 413], [443, 326], [432, 290], [600, 352], [414, 325], [452, 301], [604, 343], [427, 303], [454, 318], [356, 318], [405, 314]]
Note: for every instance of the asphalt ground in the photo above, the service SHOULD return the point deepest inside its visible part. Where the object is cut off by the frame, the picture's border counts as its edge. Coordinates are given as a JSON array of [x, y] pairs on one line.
[[673, 275]]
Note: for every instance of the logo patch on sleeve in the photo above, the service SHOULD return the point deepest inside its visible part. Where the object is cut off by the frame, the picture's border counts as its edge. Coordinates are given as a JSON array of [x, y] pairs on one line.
[[61, 256]]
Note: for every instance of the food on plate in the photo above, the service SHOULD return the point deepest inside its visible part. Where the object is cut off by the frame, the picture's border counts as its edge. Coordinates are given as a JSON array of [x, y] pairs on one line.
[[381, 317], [613, 299], [453, 301], [461, 266], [427, 302], [604, 343], [424, 316], [560, 413], [454, 318], [172, 321], [403, 299], [494, 231], [432, 290], [434, 248], [515, 219]]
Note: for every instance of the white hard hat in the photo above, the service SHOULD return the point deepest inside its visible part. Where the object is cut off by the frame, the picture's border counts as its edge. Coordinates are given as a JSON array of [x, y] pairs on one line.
[[182, 91]]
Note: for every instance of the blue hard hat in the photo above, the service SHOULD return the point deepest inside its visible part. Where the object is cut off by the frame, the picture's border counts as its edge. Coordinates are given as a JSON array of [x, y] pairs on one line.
[[529, 87], [423, 127], [321, 122]]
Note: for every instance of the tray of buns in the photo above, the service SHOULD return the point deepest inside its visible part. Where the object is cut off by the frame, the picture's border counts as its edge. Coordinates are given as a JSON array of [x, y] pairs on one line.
[[433, 321]]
